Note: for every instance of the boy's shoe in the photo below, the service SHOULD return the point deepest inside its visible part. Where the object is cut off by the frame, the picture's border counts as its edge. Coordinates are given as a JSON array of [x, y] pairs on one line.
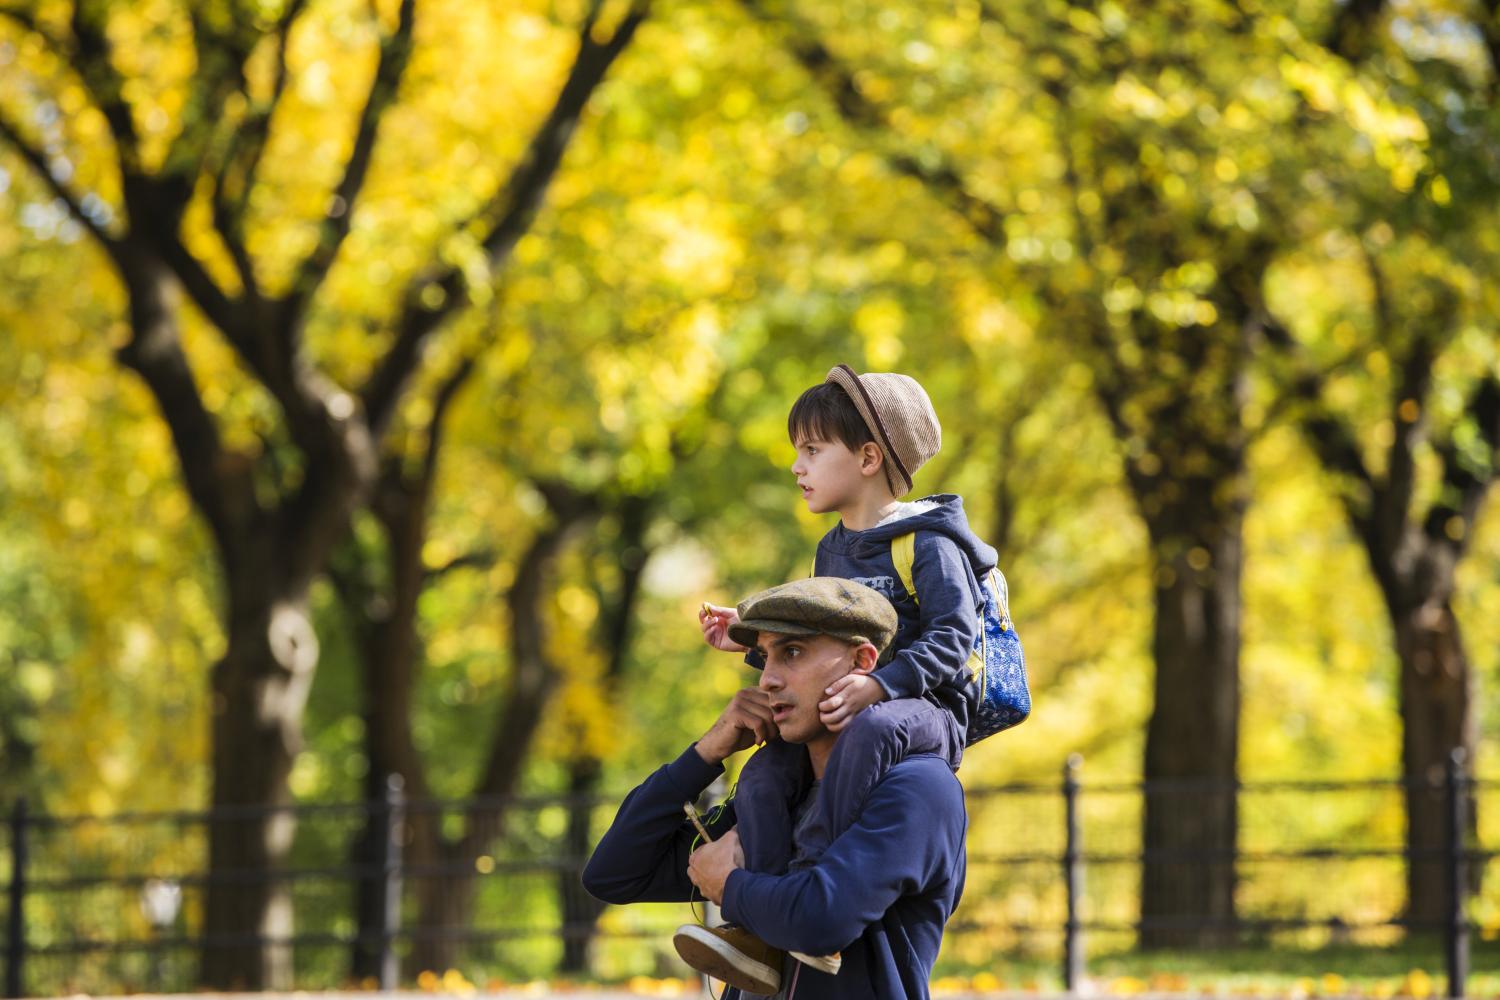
[[823, 963], [731, 955]]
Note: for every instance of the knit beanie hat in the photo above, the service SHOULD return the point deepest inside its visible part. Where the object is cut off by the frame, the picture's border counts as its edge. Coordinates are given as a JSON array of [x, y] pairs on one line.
[[900, 417]]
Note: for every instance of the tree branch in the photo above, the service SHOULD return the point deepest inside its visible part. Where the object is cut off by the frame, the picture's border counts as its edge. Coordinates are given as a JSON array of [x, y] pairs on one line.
[[533, 672], [936, 173], [478, 559], [1353, 29], [441, 401], [218, 482], [435, 295], [221, 56], [91, 59], [1401, 464], [395, 54], [228, 225], [38, 163], [1490, 29], [28, 22], [1330, 437], [156, 208], [246, 147], [1464, 488]]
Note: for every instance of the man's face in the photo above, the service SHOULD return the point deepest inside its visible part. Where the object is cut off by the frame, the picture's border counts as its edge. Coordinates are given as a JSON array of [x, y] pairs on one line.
[[828, 473], [798, 670]]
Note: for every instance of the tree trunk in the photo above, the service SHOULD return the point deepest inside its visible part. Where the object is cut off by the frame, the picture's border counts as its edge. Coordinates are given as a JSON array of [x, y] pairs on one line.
[[445, 902], [1414, 560], [1437, 716], [259, 688], [580, 911], [1192, 740], [269, 663], [445, 894], [386, 628]]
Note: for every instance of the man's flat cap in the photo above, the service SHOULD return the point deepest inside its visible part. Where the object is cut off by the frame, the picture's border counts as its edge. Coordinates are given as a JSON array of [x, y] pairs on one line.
[[820, 605]]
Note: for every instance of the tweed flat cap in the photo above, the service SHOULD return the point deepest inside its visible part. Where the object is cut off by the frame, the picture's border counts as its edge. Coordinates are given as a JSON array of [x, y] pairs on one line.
[[900, 417], [819, 605]]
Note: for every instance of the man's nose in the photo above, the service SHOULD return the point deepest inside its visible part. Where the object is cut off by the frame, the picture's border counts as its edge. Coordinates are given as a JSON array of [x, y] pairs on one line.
[[770, 679]]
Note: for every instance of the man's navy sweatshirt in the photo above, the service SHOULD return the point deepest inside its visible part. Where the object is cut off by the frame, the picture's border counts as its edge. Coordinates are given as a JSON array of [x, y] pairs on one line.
[[880, 893]]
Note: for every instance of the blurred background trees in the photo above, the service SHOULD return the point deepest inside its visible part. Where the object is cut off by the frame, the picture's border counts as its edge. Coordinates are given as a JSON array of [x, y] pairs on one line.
[[436, 362]]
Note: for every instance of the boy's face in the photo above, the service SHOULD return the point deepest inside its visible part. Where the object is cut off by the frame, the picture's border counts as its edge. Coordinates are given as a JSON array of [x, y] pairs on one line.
[[828, 473]]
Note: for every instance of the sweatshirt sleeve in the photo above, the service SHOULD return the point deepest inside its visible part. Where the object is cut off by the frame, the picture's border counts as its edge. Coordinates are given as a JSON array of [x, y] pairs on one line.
[[909, 838], [643, 856], [948, 603]]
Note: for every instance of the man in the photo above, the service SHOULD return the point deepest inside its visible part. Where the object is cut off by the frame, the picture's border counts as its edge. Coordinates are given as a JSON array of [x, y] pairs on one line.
[[877, 892]]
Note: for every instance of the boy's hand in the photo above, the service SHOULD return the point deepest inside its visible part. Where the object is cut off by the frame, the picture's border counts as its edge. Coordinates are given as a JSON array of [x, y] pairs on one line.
[[847, 697], [715, 622]]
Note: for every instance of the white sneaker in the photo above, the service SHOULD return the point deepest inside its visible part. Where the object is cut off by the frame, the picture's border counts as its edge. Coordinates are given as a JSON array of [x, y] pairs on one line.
[[731, 955]]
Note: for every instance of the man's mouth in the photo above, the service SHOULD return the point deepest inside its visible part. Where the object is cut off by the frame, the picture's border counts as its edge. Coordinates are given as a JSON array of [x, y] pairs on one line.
[[780, 710]]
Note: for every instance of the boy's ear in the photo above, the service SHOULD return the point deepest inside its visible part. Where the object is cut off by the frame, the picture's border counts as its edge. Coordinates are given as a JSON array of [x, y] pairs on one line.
[[871, 459]]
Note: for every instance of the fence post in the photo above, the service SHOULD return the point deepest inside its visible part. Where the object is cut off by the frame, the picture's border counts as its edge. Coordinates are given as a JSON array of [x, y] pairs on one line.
[[1073, 962], [392, 814], [1456, 927], [15, 937]]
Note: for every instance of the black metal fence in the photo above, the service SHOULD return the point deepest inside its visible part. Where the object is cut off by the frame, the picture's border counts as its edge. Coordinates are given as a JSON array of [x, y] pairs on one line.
[[116, 904]]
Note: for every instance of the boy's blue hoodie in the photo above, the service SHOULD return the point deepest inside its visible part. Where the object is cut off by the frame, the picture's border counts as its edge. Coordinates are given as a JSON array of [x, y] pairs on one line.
[[935, 634], [880, 893]]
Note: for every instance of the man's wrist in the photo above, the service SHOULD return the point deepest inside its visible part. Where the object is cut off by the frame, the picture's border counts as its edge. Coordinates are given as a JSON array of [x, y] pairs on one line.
[[709, 749]]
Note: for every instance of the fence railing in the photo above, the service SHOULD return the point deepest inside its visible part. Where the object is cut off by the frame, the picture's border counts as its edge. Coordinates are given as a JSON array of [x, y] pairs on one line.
[[117, 904]]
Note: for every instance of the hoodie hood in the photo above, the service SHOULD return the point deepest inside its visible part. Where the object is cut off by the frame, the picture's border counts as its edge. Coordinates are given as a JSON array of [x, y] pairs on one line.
[[942, 513]]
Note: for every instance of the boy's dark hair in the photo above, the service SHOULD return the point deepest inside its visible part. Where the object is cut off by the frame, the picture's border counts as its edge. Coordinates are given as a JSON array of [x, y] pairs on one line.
[[826, 413]]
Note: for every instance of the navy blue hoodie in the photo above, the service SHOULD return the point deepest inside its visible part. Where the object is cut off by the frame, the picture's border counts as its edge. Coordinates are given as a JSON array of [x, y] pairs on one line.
[[936, 632], [880, 893]]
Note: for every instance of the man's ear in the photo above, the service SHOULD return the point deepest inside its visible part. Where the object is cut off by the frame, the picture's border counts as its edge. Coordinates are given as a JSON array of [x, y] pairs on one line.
[[865, 657], [871, 459]]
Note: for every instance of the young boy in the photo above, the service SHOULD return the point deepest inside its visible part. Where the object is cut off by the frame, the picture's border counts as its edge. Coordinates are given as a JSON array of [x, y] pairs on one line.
[[859, 440]]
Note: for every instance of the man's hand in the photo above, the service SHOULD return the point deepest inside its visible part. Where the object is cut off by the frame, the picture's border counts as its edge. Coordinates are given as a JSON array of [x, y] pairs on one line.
[[745, 722], [709, 866], [847, 697], [715, 622]]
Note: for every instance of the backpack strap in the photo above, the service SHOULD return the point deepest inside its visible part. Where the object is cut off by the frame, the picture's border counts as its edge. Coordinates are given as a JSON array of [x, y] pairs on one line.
[[904, 555]]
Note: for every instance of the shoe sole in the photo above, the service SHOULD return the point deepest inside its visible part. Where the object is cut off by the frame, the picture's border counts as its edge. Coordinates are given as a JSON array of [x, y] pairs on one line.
[[706, 953], [830, 964]]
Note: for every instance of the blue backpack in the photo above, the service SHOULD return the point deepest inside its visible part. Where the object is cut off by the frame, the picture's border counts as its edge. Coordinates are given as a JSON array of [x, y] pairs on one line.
[[997, 666]]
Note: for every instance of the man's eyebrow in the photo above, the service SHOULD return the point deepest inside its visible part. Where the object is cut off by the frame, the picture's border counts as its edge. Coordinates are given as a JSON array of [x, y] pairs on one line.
[[779, 642]]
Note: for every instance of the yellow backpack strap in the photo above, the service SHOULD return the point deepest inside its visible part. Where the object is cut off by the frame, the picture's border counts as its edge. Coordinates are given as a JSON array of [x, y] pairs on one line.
[[904, 554]]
